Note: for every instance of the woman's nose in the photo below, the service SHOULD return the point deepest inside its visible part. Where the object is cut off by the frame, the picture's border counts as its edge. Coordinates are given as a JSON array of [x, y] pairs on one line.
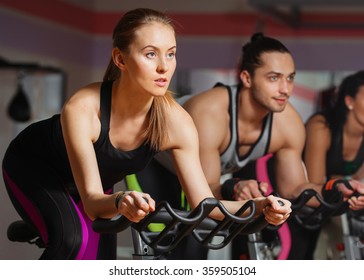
[[162, 66]]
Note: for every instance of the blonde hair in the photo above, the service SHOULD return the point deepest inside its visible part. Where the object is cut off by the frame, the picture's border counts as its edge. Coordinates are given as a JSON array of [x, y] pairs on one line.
[[123, 36], [156, 131]]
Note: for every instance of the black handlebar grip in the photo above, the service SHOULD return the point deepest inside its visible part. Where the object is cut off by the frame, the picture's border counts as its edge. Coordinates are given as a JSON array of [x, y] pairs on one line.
[[116, 224], [345, 205], [256, 225]]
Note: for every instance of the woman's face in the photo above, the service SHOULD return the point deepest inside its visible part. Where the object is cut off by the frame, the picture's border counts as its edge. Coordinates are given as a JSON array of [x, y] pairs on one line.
[[357, 106], [151, 62]]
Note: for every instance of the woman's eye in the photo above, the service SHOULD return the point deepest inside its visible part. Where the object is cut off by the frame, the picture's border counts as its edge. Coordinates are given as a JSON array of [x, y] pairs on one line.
[[151, 54], [171, 55]]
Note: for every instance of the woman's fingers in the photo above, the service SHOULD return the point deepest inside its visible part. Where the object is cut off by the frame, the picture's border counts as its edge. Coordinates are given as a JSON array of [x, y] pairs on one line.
[[277, 211], [279, 205], [356, 203], [135, 206], [273, 217]]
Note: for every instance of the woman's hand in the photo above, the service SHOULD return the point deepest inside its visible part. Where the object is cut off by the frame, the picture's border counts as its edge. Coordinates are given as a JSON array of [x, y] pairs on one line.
[[275, 209], [356, 202], [136, 205], [359, 174]]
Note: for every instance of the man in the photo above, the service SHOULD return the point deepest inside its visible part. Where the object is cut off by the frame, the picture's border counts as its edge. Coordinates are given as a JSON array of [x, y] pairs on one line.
[[239, 124]]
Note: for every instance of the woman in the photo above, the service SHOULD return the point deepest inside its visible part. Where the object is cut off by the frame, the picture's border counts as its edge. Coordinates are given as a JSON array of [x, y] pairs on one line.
[[60, 172], [334, 144]]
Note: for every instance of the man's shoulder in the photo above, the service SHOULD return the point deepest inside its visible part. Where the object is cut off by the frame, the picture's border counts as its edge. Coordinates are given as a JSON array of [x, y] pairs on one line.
[[288, 127], [219, 90], [211, 100], [289, 115]]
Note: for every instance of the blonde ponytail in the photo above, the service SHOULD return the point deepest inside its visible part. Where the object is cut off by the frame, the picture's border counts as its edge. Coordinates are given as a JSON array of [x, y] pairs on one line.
[[156, 132]]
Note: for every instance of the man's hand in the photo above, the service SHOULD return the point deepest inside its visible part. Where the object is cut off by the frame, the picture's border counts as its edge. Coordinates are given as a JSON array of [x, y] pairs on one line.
[[248, 189]]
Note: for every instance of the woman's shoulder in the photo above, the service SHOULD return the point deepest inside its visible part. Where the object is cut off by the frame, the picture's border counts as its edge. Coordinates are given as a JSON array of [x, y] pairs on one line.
[[317, 126], [89, 90], [179, 125], [317, 120], [85, 99], [85, 94]]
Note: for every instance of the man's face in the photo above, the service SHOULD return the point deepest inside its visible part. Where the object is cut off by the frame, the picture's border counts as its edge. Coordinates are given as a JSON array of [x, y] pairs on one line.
[[272, 83]]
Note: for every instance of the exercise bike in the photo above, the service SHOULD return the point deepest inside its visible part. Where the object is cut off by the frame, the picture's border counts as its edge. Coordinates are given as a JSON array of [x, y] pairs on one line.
[[307, 217], [311, 218], [352, 246], [177, 225]]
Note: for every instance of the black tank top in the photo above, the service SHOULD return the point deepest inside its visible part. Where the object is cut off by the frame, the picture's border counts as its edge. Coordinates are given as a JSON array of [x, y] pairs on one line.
[[115, 164], [43, 143], [335, 163]]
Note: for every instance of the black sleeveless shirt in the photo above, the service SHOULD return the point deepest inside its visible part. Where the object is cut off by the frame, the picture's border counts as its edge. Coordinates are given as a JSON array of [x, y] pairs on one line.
[[335, 163], [115, 164], [42, 142]]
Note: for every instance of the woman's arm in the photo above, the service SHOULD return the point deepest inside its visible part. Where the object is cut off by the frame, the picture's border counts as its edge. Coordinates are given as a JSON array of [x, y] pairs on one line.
[[81, 127], [318, 140]]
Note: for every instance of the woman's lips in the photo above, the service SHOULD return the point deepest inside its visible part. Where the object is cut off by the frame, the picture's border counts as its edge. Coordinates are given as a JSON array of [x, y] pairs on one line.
[[161, 82]]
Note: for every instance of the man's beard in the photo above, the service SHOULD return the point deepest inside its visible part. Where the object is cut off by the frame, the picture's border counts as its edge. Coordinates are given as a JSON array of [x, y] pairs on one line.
[[263, 104]]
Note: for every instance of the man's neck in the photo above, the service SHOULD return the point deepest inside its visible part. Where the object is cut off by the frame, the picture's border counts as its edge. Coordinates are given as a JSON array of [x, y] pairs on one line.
[[249, 111]]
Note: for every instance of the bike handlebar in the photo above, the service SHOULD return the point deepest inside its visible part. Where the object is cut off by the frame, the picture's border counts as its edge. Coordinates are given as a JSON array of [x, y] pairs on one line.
[[196, 222], [313, 218], [180, 223]]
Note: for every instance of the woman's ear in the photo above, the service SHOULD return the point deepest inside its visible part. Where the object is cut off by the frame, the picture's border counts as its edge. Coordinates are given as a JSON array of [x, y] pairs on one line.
[[349, 102], [118, 59], [245, 78]]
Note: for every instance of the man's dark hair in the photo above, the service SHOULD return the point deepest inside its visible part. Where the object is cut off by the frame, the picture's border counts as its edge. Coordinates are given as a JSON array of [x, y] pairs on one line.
[[252, 51]]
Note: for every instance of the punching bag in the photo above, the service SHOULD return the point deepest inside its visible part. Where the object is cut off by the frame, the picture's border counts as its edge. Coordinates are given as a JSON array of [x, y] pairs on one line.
[[19, 107]]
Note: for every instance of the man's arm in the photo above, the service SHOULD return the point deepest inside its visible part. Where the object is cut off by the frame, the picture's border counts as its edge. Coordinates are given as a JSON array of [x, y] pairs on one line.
[[288, 140], [210, 112]]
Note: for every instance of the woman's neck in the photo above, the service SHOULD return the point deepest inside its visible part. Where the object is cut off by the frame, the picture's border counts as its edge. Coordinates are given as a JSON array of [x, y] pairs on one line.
[[127, 101]]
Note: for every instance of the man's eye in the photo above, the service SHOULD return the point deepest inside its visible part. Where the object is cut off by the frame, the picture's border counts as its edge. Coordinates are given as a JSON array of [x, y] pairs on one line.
[[291, 78]]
